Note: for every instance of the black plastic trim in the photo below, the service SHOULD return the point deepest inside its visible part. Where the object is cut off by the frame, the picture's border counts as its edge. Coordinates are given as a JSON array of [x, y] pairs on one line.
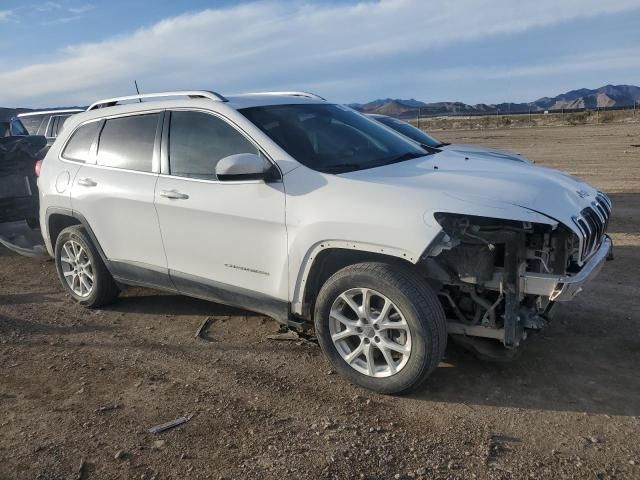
[[218, 292], [186, 284], [130, 274]]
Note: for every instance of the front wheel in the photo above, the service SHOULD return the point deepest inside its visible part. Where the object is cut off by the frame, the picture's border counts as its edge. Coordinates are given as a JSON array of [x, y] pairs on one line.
[[381, 326]]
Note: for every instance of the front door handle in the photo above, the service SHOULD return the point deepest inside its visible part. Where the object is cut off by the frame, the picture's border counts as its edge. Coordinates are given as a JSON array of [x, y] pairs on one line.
[[173, 195], [86, 182]]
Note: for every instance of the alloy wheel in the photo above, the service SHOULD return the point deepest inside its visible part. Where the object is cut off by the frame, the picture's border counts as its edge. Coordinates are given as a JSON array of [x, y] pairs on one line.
[[76, 268], [369, 332]]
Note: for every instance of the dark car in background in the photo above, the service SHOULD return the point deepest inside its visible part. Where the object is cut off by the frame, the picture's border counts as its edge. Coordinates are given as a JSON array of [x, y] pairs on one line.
[[20, 158], [426, 140], [12, 127], [47, 122]]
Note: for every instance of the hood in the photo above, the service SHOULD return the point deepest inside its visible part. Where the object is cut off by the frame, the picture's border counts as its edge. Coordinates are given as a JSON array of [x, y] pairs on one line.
[[480, 184], [492, 153]]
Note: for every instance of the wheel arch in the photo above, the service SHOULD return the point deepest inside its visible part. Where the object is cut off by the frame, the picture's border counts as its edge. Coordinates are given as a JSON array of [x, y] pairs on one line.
[[327, 258], [57, 219]]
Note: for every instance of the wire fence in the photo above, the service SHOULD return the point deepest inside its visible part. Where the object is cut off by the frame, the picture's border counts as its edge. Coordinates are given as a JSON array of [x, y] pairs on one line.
[[505, 118]]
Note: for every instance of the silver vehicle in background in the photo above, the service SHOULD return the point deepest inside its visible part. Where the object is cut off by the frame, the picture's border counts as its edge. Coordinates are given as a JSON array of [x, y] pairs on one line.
[[48, 123]]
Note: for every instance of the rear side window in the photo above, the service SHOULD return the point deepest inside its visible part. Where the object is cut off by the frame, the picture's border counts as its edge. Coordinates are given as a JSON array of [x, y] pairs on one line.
[[79, 146], [127, 142], [197, 141]]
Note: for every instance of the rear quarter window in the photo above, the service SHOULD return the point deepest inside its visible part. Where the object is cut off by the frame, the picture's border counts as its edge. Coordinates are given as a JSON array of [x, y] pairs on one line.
[[127, 142], [79, 146], [17, 128]]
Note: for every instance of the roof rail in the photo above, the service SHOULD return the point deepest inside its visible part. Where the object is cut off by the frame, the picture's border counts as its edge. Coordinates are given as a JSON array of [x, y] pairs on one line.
[[290, 94], [47, 112], [110, 102]]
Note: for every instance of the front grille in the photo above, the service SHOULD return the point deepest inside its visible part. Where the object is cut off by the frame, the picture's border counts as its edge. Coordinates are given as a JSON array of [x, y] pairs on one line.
[[592, 223]]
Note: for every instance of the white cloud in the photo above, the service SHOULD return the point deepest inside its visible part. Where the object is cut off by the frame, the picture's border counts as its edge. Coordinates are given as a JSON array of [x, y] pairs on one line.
[[5, 15], [48, 6], [272, 45], [61, 20], [610, 59], [81, 9]]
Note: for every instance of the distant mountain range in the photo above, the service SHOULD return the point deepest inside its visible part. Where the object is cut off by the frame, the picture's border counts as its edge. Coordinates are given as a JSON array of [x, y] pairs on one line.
[[607, 96]]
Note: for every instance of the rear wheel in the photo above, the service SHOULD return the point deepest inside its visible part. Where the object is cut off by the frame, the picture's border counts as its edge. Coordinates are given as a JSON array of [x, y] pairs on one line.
[[381, 326], [81, 270]]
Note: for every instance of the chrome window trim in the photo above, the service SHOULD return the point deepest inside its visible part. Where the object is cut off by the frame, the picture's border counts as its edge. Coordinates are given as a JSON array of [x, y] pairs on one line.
[[116, 169]]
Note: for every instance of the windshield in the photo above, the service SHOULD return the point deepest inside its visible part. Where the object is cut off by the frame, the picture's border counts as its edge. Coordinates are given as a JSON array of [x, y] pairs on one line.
[[331, 138], [410, 131]]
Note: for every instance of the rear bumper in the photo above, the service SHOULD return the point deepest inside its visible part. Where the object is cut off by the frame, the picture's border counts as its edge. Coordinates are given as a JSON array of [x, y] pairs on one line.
[[564, 288]]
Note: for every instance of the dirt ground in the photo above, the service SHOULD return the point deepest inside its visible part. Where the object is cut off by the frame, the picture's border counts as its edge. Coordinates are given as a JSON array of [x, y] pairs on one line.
[[80, 388]]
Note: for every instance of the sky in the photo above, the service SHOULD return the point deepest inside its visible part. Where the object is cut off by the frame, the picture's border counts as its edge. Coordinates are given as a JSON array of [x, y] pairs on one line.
[[73, 52]]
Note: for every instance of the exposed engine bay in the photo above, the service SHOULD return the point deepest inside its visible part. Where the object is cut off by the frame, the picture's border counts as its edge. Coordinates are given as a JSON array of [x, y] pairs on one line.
[[499, 279]]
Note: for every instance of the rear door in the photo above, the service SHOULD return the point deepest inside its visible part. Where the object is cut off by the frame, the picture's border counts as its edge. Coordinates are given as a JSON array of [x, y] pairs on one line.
[[115, 191], [225, 240]]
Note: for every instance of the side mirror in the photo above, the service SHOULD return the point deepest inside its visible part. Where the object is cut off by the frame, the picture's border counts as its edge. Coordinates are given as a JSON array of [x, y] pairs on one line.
[[242, 166]]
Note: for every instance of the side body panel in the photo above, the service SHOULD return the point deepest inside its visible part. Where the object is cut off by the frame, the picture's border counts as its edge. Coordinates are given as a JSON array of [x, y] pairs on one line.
[[54, 187], [118, 204], [229, 232]]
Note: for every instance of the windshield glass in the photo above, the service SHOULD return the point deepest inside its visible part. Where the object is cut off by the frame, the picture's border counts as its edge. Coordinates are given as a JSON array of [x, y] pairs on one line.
[[331, 138], [410, 131]]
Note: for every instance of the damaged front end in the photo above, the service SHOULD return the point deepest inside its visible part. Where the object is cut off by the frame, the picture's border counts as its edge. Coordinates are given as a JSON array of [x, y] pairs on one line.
[[498, 279]]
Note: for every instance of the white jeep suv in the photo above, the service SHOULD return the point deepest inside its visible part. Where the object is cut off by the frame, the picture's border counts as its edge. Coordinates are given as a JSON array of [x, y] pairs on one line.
[[307, 211]]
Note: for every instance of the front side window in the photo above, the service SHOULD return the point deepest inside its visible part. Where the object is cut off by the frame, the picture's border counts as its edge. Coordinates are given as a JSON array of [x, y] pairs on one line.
[[331, 138], [79, 146], [198, 141], [127, 142]]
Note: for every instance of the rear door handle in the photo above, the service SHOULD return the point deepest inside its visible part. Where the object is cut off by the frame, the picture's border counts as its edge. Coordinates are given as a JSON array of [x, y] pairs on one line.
[[174, 195], [86, 182]]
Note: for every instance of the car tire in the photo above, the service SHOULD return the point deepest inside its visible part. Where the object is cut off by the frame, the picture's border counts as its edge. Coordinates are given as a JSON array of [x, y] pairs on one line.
[[415, 308], [81, 270]]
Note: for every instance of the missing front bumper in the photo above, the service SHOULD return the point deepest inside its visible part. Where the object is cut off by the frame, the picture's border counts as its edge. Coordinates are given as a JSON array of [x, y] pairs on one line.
[[564, 288]]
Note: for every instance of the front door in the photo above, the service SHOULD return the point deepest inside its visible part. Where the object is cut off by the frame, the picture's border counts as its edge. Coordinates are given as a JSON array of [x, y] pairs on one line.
[[224, 240]]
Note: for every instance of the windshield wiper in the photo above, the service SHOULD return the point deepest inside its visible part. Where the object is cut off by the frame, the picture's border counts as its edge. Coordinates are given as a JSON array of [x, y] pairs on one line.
[[406, 156], [341, 167], [431, 148]]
